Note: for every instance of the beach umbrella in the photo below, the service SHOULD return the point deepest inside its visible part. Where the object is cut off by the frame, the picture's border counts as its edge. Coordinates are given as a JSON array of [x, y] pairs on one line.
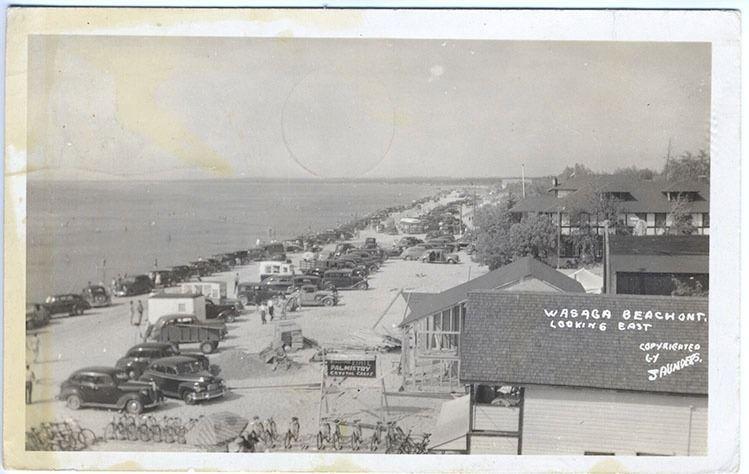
[[216, 428]]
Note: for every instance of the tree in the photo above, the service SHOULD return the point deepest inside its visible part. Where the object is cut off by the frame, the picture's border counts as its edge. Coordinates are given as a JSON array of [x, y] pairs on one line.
[[681, 217], [687, 167], [535, 236], [635, 172], [577, 170], [492, 224]]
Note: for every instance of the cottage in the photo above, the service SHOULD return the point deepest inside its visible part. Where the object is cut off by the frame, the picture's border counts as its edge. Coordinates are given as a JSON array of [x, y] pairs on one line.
[[657, 265], [430, 359], [536, 389]]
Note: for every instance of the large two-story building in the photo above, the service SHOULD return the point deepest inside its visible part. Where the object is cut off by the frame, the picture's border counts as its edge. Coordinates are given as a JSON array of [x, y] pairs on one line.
[[646, 207]]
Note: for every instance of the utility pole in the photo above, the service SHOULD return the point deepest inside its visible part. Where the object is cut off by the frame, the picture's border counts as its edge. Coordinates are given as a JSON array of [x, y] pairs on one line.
[[522, 177]]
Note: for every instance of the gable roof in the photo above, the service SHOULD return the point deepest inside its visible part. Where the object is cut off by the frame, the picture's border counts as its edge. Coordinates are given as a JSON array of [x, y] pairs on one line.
[[524, 267], [509, 340], [649, 195]]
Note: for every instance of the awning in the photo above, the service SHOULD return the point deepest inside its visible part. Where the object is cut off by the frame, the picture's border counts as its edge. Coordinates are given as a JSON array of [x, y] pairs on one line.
[[452, 426]]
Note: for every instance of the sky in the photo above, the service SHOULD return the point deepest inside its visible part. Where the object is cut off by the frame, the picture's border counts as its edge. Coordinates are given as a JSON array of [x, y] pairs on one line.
[[186, 108]]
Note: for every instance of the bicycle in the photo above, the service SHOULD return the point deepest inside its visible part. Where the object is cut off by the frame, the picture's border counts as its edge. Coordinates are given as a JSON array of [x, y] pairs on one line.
[[292, 434], [356, 436], [376, 439]]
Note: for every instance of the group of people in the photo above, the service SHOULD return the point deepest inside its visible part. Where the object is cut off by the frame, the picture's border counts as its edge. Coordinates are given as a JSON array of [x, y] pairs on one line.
[[265, 308]]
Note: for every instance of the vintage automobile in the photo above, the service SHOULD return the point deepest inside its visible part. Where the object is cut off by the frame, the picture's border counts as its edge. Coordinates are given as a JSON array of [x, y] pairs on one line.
[[179, 329], [36, 315], [343, 279], [414, 253], [103, 387], [394, 251], [310, 295], [440, 256], [71, 304], [253, 292], [134, 285], [181, 273], [97, 296], [184, 378], [407, 241], [342, 248], [223, 312], [161, 278], [140, 356]]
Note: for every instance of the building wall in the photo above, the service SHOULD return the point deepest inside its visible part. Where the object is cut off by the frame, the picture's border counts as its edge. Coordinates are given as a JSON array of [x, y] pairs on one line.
[[493, 445], [572, 421]]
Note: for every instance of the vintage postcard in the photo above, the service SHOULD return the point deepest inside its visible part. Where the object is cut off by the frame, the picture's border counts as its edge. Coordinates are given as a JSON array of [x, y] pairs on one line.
[[294, 240]]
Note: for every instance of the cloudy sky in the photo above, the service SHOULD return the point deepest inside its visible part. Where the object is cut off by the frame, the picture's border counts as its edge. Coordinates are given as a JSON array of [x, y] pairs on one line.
[[146, 107]]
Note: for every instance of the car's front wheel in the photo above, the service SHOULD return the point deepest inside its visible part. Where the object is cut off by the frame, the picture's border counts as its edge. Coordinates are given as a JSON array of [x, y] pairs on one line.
[[134, 406], [73, 401], [328, 302], [206, 347], [188, 398]]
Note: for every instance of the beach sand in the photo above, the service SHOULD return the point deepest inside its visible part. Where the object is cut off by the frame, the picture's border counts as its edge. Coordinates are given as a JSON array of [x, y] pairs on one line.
[[103, 335]]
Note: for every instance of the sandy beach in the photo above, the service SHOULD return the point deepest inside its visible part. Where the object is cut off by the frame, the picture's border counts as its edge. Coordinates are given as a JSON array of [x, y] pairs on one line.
[[102, 335]]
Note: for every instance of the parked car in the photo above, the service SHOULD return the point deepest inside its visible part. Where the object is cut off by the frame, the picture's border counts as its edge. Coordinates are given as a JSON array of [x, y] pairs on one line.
[[343, 280], [221, 312], [370, 243], [394, 251], [184, 378], [71, 304], [310, 295], [138, 357], [135, 285], [342, 248], [97, 296], [408, 241], [414, 253], [248, 293], [165, 278], [301, 280], [36, 315], [179, 329], [440, 256], [103, 387], [181, 273]]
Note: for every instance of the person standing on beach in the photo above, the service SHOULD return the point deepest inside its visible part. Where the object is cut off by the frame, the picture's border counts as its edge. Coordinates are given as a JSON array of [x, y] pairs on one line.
[[236, 283], [30, 379], [132, 313], [261, 309], [270, 308], [34, 346], [140, 312]]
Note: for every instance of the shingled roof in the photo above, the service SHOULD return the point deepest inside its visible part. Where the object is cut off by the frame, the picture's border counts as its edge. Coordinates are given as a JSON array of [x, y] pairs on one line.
[[648, 195], [524, 267], [509, 340]]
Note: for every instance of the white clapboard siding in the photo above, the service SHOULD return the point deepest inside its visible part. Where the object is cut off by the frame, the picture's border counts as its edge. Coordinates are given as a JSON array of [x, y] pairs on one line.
[[493, 445], [495, 418], [575, 420]]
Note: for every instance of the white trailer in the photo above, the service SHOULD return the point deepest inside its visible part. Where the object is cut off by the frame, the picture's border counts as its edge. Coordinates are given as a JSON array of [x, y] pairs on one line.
[[162, 304], [212, 290], [271, 268]]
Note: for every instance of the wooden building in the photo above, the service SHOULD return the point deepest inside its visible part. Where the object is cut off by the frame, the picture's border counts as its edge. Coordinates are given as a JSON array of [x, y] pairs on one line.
[[582, 374], [433, 324], [651, 265]]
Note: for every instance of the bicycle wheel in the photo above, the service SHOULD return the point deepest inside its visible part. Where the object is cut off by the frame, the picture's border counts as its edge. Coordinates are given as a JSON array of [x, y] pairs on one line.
[[156, 434], [144, 433], [110, 432], [320, 445], [86, 437]]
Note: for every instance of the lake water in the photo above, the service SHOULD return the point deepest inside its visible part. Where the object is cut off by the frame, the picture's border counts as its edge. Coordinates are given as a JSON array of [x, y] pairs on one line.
[[91, 231]]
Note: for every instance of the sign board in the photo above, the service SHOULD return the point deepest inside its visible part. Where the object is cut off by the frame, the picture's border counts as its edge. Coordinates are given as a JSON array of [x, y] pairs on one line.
[[338, 365]]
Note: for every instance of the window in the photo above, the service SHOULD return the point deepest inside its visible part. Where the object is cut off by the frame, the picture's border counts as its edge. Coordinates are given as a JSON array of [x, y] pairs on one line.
[[181, 308], [705, 219], [660, 219], [497, 395]]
